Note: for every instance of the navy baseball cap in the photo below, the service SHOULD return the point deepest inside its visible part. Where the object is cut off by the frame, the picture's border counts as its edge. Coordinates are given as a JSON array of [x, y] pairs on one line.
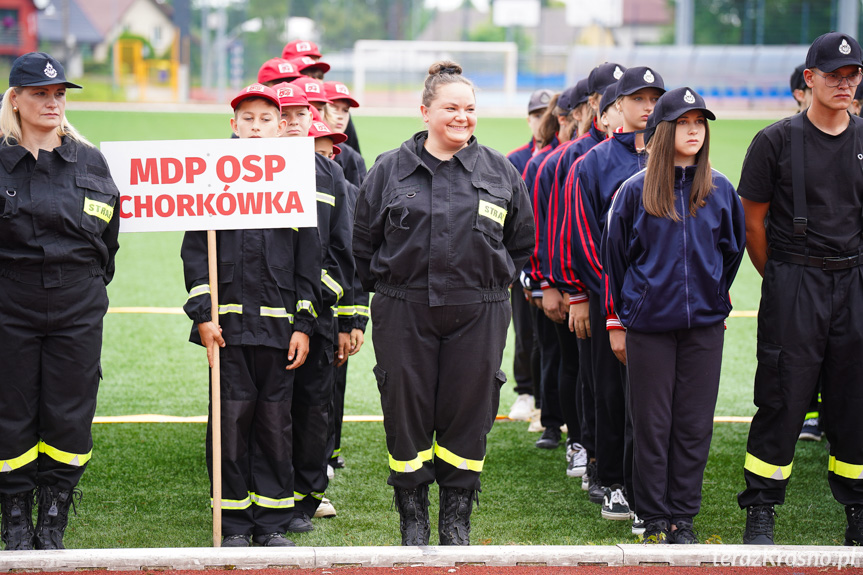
[[608, 98], [539, 100], [797, 81], [832, 50], [38, 69], [638, 78], [673, 104], [603, 76], [573, 96]]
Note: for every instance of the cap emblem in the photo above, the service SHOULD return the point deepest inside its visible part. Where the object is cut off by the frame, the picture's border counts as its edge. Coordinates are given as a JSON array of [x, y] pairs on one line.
[[321, 127], [648, 77], [544, 98], [255, 88], [844, 47], [286, 92], [286, 68], [342, 89], [312, 87], [688, 97], [50, 71], [617, 73], [304, 47]]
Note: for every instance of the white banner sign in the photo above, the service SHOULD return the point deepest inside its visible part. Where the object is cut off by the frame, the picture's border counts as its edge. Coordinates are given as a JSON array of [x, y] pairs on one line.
[[230, 184]]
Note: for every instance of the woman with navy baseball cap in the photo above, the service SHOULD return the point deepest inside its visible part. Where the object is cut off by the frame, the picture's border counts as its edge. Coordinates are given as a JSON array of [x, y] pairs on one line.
[[58, 238], [671, 248]]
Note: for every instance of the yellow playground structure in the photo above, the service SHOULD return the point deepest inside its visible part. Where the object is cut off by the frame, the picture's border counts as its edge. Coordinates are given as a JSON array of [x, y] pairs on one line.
[[146, 79]]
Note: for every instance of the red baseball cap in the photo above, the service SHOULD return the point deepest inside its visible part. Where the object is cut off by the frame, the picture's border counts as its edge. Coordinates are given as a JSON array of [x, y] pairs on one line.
[[290, 95], [256, 91], [338, 91], [319, 129], [304, 63], [301, 48], [278, 69], [313, 88]]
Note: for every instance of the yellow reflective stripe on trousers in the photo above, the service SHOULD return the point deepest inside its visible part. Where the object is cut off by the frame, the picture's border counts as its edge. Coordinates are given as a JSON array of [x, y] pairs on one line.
[[306, 305], [235, 504], [29, 456], [277, 312], [74, 459], [332, 284], [457, 461], [414, 464], [298, 496], [345, 311], [231, 308], [362, 310], [764, 469], [842, 469], [810, 415], [325, 198], [271, 503], [202, 289]]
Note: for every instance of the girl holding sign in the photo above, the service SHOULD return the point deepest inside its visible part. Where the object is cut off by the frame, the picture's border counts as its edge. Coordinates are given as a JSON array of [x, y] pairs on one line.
[[443, 226], [58, 238]]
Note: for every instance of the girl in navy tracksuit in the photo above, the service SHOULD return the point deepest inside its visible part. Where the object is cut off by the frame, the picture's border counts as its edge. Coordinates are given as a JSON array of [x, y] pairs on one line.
[[672, 245]]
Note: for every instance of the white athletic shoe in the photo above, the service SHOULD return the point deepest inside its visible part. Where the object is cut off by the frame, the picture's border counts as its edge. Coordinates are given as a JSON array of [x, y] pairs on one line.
[[522, 408], [325, 509], [576, 456], [637, 525], [536, 425], [331, 473]]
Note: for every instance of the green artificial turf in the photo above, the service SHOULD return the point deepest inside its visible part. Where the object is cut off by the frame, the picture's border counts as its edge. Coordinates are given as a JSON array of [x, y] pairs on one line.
[[147, 484]]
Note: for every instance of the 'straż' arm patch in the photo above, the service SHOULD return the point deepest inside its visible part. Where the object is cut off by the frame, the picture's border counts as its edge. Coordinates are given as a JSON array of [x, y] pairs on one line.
[[492, 212], [98, 209]]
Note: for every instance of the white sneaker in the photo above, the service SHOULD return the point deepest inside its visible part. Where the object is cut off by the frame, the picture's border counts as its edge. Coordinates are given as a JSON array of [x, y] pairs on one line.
[[536, 425], [637, 525], [325, 509], [614, 505], [576, 456], [331, 473], [522, 408]]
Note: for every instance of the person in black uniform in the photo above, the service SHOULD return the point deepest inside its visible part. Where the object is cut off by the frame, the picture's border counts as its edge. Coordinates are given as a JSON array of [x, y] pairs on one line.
[[269, 298], [58, 239], [802, 177], [443, 226]]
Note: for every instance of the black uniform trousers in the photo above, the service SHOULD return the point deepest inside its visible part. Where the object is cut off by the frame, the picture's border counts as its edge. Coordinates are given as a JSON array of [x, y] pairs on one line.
[[550, 414], [673, 384], [313, 397], [438, 372], [586, 401], [613, 424], [257, 478], [50, 347], [568, 386], [809, 323], [522, 326], [337, 409]]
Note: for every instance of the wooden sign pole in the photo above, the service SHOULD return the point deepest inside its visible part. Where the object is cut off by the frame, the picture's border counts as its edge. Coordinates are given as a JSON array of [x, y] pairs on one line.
[[216, 400]]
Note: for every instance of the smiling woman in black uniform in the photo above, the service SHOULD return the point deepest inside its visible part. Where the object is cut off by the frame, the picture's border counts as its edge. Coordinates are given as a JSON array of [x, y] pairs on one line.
[[443, 226], [58, 237]]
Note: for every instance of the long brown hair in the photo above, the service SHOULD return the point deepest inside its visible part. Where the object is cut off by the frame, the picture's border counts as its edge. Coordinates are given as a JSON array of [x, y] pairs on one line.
[[658, 193], [548, 124]]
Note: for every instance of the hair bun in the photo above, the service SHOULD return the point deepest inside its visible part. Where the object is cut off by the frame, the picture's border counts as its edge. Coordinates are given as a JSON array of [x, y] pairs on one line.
[[445, 67]]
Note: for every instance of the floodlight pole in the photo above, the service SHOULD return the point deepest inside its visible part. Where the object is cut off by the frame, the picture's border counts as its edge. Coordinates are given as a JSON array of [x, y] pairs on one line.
[[847, 17], [216, 396], [684, 23]]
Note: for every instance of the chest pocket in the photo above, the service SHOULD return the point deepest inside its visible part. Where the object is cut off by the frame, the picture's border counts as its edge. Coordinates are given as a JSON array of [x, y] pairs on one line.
[[398, 209], [99, 200], [8, 201], [492, 202]]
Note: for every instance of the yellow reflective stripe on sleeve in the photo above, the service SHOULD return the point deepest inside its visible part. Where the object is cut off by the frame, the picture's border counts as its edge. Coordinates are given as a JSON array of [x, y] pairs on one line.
[[325, 198], [29, 456], [334, 286], [199, 290], [306, 305], [457, 461], [231, 308], [362, 310], [277, 312], [811, 415], [73, 459], [271, 503], [414, 464], [235, 504], [345, 310], [842, 469], [768, 470], [98, 209], [492, 212]]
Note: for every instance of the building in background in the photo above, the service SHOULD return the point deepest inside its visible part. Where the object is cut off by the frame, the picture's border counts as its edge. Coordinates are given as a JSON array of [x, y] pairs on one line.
[[17, 27]]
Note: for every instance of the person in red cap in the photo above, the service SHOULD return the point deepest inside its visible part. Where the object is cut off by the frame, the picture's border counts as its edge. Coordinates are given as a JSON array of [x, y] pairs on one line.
[[330, 344], [310, 67], [269, 298], [315, 91], [299, 48], [277, 70], [337, 115]]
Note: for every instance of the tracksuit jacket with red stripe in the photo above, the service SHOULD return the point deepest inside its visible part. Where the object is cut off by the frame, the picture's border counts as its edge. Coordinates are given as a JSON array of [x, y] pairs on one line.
[[529, 176], [521, 155], [665, 275], [604, 168]]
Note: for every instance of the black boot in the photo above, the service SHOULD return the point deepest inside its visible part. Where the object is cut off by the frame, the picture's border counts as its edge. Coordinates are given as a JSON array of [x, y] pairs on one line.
[[413, 506], [53, 515], [17, 521], [854, 531], [454, 520]]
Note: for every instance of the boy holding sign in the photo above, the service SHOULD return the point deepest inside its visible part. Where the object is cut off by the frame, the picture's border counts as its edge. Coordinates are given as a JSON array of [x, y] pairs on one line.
[[269, 298]]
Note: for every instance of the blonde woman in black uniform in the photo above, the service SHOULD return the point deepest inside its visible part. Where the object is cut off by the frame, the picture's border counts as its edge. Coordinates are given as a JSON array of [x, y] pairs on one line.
[[58, 237], [443, 226]]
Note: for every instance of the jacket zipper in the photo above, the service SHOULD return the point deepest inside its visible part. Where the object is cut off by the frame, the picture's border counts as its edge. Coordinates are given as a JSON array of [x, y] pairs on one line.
[[684, 213]]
